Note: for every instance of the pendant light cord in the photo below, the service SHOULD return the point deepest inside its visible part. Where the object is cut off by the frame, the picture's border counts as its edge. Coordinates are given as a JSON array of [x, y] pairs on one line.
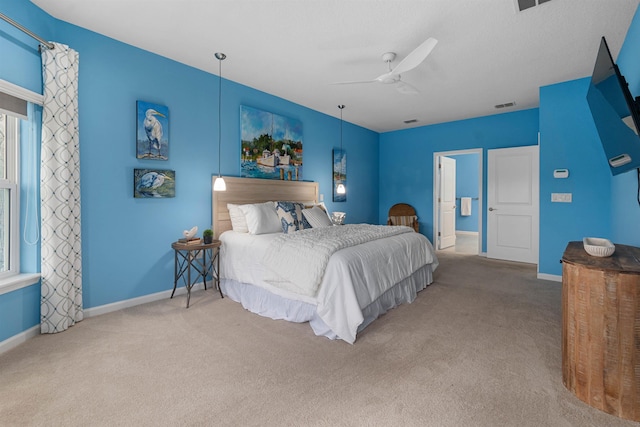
[[219, 184], [219, 110]]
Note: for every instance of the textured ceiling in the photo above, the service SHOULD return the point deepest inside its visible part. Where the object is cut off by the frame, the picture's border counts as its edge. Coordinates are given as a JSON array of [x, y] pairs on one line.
[[487, 52]]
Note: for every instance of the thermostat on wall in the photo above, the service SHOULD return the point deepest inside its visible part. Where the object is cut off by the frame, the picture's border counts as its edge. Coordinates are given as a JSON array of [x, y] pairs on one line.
[[620, 160], [561, 173]]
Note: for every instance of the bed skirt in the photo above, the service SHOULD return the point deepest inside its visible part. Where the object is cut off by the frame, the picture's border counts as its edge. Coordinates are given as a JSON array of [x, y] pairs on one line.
[[260, 301]]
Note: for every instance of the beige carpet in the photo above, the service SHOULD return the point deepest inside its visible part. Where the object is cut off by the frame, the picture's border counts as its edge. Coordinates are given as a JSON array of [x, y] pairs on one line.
[[480, 347]]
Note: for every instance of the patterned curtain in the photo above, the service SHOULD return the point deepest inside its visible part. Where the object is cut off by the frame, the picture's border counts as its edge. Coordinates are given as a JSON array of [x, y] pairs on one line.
[[61, 295]]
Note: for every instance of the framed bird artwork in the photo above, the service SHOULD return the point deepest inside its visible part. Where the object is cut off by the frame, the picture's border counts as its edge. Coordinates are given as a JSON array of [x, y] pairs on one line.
[[149, 183], [152, 133]]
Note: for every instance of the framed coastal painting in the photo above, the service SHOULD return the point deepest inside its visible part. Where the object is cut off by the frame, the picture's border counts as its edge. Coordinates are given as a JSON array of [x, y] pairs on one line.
[[152, 131], [339, 174], [271, 145], [158, 183]]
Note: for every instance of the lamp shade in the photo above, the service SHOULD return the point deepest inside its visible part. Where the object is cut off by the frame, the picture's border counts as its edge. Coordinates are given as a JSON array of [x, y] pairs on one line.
[[219, 184], [341, 189]]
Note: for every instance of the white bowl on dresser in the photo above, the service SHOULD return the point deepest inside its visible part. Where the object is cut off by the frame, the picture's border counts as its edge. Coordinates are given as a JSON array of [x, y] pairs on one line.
[[596, 246]]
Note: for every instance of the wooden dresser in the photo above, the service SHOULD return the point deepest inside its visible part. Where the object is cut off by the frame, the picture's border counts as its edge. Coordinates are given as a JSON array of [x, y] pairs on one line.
[[601, 329]]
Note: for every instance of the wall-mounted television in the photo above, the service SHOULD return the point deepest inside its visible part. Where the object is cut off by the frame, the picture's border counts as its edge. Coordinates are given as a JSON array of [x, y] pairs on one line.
[[615, 112]]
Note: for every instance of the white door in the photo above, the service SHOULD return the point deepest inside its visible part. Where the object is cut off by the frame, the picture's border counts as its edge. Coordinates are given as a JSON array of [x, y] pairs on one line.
[[513, 204], [447, 202]]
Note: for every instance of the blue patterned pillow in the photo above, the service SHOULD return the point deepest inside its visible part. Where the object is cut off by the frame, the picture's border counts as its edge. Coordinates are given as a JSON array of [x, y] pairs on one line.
[[290, 215]]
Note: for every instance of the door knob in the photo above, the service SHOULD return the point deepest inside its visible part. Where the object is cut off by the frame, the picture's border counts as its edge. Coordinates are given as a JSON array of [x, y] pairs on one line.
[[492, 209]]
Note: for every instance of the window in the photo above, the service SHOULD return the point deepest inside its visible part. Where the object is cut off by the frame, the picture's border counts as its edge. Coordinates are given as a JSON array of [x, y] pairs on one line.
[[18, 109], [9, 212]]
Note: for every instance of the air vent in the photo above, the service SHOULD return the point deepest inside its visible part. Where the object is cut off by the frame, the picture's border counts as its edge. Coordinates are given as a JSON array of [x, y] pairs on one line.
[[522, 5], [411, 121], [505, 105]]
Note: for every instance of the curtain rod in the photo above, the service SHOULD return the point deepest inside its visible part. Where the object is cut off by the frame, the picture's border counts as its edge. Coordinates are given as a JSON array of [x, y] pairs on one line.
[[26, 31]]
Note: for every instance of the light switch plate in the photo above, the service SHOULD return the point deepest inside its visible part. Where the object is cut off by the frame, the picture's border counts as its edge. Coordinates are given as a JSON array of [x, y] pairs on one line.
[[561, 197]]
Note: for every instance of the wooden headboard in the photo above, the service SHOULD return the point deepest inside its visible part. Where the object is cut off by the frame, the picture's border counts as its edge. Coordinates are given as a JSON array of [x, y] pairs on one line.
[[241, 191]]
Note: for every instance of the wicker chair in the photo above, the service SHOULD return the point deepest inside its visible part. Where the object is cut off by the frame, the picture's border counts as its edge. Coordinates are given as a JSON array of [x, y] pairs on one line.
[[403, 214]]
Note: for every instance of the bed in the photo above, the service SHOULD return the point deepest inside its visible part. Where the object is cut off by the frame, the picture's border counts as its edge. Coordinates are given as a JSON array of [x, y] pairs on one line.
[[339, 279]]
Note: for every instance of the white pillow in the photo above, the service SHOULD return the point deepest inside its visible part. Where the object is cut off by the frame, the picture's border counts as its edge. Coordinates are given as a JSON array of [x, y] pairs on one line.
[[238, 221], [261, 218], [320, 205], [317, 217]]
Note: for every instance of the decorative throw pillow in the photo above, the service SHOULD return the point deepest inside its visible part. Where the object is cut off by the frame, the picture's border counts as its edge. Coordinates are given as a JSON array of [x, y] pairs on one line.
[[317, 217], [290, 216], [320, 206], [238, 221], [261, 218]]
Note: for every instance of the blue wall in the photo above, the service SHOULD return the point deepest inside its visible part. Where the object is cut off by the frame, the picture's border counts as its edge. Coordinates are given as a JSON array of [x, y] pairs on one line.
[[408, 175], [624, 187], [603, 206], [127, 242], [569, 140], [467, 172]]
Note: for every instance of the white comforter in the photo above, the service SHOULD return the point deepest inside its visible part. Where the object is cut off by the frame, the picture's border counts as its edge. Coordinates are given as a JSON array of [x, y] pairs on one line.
[[297, 261], [355, 276]]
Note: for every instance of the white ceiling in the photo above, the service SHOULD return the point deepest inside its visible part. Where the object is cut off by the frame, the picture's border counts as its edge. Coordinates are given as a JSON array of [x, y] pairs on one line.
[[487, 53]]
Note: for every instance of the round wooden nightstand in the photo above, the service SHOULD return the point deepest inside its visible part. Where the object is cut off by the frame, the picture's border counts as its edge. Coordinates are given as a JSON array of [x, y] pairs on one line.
[[201, 258], [600, 318]]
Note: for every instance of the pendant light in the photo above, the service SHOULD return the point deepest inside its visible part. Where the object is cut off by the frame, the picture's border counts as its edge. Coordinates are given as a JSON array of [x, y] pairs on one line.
[[219, 184], [340, 188]]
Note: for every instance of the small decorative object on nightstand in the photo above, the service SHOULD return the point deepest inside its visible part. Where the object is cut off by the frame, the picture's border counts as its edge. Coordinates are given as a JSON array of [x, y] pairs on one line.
[[338, 218], [203, 259], [190, 236], [207, 236], [191, 232]]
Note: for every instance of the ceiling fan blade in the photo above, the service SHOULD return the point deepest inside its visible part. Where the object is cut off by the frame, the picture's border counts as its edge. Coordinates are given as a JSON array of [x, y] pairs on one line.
[[416, 57], [406, 89], [355, 82]]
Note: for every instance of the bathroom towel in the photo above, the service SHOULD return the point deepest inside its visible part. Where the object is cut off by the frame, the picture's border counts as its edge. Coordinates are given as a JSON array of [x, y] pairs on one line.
[[465, 206]]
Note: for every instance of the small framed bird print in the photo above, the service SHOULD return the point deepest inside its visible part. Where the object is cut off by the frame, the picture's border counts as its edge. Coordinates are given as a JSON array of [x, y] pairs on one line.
[[154, 183], [152, 133]]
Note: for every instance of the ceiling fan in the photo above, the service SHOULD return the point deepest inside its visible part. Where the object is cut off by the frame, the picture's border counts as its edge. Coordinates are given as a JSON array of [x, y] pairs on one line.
[[415, 58]]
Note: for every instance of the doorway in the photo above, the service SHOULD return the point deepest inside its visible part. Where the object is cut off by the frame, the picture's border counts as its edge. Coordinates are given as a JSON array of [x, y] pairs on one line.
[[466, 183]]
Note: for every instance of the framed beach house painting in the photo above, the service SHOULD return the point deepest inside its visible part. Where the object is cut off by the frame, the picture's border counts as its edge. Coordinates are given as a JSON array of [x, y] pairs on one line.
[[152, 131], [271, 145]]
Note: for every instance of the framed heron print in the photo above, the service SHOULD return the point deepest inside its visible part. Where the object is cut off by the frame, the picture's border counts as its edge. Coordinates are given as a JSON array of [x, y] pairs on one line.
[[158, 183], [152, 131]]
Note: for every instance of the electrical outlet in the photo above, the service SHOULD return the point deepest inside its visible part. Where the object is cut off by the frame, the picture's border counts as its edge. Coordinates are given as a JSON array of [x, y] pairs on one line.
[[561, 197], [321, 197]]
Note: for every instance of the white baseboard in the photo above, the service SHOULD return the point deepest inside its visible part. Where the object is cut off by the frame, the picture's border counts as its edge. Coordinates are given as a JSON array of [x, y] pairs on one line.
[[552, 277], [470, 233], [115, 306], [22, 337]]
